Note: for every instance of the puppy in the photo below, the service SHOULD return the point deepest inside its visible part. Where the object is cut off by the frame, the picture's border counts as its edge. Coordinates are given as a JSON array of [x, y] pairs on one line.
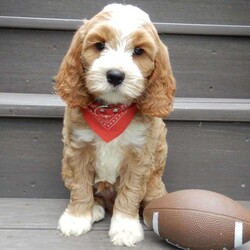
[[117, 82]]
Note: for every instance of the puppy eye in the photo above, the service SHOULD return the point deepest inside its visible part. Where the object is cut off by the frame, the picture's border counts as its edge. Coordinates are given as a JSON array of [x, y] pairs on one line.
[[100, 46], [138, 51]]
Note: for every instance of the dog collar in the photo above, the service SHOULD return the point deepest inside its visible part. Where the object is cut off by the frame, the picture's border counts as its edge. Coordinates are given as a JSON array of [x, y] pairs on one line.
[[109, 121]]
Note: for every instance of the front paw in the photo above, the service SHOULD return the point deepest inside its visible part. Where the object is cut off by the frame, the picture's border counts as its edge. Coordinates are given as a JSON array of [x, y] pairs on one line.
[[73, 225], [125, 230]]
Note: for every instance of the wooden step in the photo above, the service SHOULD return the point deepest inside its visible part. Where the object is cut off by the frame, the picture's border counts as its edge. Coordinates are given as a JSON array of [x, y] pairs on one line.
[[182, 11], [219, 54], [18, 22], [202, 154], [31, 223], [196, 109]]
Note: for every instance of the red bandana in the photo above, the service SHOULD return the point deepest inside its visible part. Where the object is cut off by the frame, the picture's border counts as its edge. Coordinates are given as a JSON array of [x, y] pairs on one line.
[[109, 121]]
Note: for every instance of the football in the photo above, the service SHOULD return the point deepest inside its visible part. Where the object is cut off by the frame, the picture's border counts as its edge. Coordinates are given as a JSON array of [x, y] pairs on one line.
[[199, 220]]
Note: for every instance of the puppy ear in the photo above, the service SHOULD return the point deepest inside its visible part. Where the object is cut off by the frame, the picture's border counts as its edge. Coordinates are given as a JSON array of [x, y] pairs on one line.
[[157, 99], [70, 82]]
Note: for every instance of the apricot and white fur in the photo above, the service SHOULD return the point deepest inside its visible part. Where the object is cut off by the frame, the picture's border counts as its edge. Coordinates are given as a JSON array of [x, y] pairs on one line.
[[134, 161]]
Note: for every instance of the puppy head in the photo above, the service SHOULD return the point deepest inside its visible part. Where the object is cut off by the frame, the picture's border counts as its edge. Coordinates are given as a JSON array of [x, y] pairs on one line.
[[117, 57]]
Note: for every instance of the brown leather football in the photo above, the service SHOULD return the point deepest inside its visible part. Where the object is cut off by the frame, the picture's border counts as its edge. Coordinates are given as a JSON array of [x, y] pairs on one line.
[[199, 220]]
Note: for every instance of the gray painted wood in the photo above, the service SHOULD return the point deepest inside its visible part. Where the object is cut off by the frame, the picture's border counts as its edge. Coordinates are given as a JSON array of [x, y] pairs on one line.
[[215, 67], [38, 221], [35, 213], [210, 109], [31, 60], [44, 214], [204, 155], [182, 11], [29, 223], [39, 23], [51, 239], [167, 28], [31, 105], [201, 109], [202, 29], [30, 159], [245, 246], [208, 67], [207, 155]]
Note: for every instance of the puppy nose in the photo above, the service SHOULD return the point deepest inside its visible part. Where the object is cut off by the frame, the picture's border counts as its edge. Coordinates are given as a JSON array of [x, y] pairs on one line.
[[115, 77]]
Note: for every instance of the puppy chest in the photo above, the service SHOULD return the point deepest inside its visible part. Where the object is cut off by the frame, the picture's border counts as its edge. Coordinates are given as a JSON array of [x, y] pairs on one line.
[[109, 158]]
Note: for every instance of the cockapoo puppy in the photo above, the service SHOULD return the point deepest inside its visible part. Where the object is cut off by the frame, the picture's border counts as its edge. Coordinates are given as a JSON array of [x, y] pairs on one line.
[[117, 82]]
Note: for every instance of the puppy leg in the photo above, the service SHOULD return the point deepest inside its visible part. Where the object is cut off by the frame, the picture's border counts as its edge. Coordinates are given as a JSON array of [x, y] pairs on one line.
[[155, 189], [155, 186], [98, 212], [126, 228], [78, 175]]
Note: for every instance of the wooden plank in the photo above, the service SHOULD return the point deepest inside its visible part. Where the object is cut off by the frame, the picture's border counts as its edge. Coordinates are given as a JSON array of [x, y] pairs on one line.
[[31, 105], [39, 23], [201, 109], [31, 153], [210, 109], [182, 11], [203, 29], [166, 28], [51, 239], [43, 214], [38, 220], [35, 213], [219, 67], [245, 246], [213, 156], [210, 67], [202, 155], [31, 60], [47, 239]]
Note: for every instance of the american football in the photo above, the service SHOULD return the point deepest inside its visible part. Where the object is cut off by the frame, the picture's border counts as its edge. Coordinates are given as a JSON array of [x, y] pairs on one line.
[[199, 220]]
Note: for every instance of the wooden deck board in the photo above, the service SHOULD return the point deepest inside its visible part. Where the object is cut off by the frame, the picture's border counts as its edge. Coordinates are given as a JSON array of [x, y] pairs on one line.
[[52, 239], [18, 22], [41, 214], [31, 223], [205, 109], [206, 11]]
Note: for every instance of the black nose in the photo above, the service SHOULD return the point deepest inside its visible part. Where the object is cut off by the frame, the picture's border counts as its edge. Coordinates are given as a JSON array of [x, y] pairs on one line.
[[115, 77]]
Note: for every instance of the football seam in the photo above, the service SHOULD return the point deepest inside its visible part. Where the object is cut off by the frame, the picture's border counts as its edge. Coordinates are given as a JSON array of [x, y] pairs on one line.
[[192, 210]]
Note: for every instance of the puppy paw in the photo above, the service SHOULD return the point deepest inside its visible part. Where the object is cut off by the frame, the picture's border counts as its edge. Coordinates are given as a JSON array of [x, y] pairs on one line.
[[98, 213], [125, 230], [73, 225]]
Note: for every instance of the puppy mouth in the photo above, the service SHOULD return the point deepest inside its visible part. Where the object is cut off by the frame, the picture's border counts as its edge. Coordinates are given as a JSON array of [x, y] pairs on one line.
[[115, 96]]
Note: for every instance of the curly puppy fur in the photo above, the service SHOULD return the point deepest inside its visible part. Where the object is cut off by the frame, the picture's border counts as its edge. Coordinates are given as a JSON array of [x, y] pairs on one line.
[[120, 37]]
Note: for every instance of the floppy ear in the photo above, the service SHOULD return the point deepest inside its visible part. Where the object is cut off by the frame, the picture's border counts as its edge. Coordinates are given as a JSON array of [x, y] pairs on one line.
[[70, 82], [157, 100]]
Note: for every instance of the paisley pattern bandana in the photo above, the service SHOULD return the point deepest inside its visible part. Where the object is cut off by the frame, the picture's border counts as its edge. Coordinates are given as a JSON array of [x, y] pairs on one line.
[[109, 121]]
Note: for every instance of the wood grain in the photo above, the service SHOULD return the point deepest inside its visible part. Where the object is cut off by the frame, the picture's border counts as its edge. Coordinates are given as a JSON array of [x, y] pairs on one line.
[[29, 223], [43, 214], [52, 239]]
